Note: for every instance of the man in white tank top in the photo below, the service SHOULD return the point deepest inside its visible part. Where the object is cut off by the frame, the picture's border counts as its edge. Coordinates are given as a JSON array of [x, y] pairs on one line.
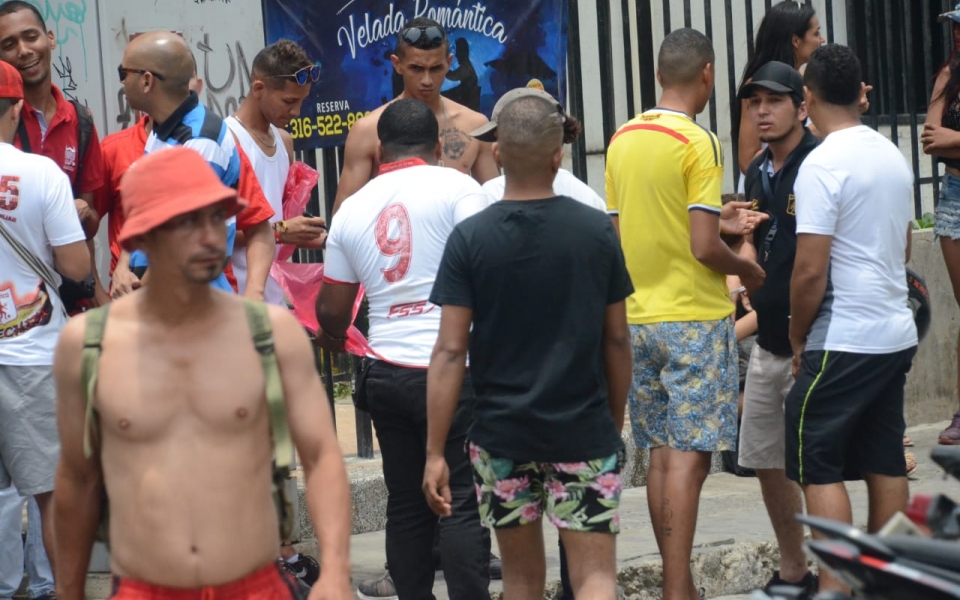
[[275, 97]]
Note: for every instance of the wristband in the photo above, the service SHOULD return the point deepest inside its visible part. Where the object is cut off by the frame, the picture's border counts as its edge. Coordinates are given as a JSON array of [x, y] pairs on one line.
[[279, 228]]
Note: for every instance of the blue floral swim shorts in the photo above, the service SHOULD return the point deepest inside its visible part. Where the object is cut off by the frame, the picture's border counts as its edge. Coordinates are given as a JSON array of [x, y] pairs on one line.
[[685, 383]]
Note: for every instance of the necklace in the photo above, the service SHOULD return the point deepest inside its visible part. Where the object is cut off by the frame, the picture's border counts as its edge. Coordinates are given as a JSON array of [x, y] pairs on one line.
[[268, 143]]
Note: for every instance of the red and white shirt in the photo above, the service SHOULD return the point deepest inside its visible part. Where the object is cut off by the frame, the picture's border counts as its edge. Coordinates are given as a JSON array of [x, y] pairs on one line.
[[390, 237], [37, 209]]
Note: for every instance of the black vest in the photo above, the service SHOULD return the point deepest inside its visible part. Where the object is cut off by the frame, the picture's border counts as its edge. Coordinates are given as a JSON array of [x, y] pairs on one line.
[[776, 243]]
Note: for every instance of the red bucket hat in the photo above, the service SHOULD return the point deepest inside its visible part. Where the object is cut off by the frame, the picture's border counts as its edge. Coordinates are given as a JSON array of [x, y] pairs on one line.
[[166, 184]]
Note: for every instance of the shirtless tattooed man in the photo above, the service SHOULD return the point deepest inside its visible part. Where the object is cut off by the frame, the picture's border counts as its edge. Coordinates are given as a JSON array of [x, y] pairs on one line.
[[423, 59], [184, 448]]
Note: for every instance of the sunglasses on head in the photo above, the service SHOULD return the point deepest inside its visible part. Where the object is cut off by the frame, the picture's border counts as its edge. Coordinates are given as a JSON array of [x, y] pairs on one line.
[[310, 73], [424, 38], [123, 71]]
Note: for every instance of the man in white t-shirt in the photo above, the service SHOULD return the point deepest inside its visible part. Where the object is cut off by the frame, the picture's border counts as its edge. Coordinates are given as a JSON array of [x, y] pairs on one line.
[[38, 214], [389, 237], [852, 333], [281, 77]]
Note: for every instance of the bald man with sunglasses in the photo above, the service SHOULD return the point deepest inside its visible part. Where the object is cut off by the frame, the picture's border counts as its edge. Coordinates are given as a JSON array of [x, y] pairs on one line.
[[422, 59]]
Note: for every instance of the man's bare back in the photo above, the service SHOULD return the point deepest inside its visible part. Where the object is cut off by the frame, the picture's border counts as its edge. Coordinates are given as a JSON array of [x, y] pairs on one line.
[[186, 451], [460, 151]]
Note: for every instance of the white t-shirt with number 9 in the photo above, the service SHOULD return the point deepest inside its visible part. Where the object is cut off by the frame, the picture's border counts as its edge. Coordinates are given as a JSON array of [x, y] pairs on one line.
[[390, 237]]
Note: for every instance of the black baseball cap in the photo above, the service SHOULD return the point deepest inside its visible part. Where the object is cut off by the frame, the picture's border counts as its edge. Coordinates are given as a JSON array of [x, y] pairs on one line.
[[777, 77]]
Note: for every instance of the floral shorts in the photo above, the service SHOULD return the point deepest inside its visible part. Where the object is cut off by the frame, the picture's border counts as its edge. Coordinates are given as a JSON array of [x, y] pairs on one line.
[[684, 392], [582, 496]]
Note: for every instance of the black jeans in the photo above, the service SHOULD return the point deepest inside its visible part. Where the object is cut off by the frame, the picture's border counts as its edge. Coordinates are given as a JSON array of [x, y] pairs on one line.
[[397, 399]]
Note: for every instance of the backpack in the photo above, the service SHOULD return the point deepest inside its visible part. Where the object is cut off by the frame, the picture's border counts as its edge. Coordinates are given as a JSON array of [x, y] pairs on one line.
[[262, 334], [72, 293]]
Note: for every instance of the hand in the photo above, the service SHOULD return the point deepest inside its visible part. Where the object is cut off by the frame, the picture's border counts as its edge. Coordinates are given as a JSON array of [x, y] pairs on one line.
[[331, 587], [736, 218], [124, 282], [436, 485], [733, 284], [752, 276], [89, 219], [304, 230], [864, 105], [936, 137], [798, 348], [100, 297]]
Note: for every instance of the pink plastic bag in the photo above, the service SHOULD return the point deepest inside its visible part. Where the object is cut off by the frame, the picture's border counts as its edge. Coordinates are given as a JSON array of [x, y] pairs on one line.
[[296, 195], [301, 283]]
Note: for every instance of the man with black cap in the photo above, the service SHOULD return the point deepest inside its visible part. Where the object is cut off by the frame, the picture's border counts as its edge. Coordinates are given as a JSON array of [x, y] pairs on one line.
[[775, 106], [181, 380]]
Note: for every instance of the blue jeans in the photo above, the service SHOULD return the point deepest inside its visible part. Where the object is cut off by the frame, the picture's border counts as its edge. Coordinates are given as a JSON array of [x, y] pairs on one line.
[[397, 399], [14, 555]]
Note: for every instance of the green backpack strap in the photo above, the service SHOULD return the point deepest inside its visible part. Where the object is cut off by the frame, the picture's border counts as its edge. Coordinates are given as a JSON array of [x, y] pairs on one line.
[[259, 321], [96, 323]]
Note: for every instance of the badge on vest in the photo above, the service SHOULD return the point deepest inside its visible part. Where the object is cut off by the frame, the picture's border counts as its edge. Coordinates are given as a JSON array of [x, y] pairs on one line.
[[792, 205], [754, 204], [70, 159]]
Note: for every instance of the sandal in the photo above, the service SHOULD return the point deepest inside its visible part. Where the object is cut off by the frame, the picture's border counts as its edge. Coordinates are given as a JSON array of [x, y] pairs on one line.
[[911, 461], [907, 442]]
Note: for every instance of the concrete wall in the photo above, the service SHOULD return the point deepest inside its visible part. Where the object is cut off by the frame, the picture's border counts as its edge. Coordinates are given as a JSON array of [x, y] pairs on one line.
[[931, 393]]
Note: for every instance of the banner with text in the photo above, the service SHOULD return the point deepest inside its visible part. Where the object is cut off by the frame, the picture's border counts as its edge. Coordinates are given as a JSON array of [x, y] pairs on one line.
[[497, 45]]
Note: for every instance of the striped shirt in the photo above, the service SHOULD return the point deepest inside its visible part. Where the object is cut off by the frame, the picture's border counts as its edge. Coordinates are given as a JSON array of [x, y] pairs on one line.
[[194, 127]]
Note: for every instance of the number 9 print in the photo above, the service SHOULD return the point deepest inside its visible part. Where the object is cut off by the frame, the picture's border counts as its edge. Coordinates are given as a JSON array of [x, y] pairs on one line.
[[400, 246]]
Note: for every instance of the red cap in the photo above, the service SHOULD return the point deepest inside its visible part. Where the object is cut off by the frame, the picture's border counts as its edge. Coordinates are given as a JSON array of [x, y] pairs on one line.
[[166, 184], [11, 84]]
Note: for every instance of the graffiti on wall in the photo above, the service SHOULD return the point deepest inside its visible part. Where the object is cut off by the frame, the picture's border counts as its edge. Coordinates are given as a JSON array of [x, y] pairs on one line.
[[225, 69]]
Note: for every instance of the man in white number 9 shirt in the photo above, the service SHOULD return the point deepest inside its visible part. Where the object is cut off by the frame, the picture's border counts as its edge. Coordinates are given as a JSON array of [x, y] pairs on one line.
[[389, 237]]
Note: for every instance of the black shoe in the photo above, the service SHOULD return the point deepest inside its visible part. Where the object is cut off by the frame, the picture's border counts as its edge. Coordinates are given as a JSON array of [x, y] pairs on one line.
[[496, 567], [808, 585], [306, 569], [47, 596]]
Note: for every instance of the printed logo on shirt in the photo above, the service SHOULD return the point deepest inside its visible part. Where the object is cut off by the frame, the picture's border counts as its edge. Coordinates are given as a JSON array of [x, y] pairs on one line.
[[792, 205], [70, 158], [20, 315], [9, 193]]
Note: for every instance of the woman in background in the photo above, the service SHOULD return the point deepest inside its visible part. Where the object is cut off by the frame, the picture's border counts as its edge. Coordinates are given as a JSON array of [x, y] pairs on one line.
[[789, 33], [941, 138]]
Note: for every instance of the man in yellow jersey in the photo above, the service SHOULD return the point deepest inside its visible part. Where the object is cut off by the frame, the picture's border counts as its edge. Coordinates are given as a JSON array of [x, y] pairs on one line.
[[664, 173]]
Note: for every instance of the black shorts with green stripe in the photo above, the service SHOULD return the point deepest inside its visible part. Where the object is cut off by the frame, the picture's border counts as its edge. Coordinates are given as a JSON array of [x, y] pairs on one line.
[[844, 416]]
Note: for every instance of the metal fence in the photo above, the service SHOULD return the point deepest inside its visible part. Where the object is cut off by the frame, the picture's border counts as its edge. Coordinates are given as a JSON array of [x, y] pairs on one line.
[[899, 42]]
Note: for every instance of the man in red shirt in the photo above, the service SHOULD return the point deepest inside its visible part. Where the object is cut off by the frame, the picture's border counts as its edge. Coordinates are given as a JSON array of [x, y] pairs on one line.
[[49, 124], [122, 149]]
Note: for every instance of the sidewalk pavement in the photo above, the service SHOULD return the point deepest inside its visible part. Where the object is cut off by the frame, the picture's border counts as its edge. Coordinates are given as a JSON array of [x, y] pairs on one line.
[[734, 546]]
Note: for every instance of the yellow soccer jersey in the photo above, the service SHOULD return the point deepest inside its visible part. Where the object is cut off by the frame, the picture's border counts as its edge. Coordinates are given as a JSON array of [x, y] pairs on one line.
[[660, 166]]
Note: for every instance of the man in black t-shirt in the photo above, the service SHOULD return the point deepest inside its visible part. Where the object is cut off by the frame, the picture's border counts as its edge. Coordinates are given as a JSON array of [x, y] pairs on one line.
[[775, 105], [542, 280]]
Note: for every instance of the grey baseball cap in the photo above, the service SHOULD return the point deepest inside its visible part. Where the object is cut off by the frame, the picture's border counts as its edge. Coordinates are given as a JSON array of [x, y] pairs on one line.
[[488, 132], [953, 15]]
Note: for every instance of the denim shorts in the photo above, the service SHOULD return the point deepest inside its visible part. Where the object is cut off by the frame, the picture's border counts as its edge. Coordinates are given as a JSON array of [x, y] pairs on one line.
[[948, 208]]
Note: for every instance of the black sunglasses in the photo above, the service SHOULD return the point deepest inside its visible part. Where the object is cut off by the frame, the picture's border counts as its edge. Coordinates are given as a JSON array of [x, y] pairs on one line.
[[424, 38], [311, 73], [123, 71]]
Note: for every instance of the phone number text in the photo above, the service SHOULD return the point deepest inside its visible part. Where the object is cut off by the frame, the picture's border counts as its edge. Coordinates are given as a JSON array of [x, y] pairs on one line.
[[324, 125]]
